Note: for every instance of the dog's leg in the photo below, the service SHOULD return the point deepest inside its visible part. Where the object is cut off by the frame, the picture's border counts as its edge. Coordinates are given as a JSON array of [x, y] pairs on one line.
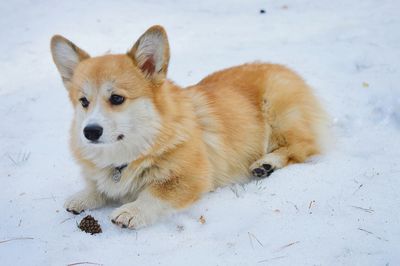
[[161, 199], [290, 125], [269, 162], [295, 153], [147, 209], [88, 198]]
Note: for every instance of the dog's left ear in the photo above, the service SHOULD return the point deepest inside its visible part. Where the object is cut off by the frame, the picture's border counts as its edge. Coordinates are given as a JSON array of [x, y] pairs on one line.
[[151, 54]]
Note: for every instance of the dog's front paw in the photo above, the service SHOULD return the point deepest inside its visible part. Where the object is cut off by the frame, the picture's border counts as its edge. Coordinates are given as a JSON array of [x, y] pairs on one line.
[[129, 217], [75, 204], [83, 200]]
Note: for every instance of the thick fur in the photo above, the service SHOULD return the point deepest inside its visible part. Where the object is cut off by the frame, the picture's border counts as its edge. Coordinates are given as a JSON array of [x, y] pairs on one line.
[[180, 143]]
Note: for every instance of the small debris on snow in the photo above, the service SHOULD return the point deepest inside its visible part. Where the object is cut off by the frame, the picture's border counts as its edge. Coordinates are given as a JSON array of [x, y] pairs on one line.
[[312, 203], [202, 220], [252, 236], [274, 258], [360, 186], [369, 210], [84, 263], [63, 221], [286, 246], [370, 233], [16, 238]]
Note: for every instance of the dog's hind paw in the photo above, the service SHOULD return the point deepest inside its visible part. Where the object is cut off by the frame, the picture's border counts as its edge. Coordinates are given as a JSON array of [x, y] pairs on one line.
[[263, 171], [266, 166]]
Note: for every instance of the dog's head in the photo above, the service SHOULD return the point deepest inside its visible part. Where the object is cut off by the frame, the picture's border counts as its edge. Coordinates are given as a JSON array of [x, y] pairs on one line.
[[116, 119]]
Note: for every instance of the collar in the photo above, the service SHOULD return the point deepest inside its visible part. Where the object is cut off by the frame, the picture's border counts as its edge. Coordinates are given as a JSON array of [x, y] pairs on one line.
[[117, 172]]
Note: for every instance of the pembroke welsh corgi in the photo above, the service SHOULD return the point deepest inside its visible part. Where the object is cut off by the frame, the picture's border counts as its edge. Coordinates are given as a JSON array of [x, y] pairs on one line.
[[145, 142]]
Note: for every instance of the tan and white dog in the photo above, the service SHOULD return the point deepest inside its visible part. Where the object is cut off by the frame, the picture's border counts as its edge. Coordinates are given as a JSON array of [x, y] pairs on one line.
[[143, 141]]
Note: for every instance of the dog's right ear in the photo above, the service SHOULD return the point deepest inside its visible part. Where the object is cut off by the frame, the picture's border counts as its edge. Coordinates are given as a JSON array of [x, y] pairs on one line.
[[66, 56], [151, 54]]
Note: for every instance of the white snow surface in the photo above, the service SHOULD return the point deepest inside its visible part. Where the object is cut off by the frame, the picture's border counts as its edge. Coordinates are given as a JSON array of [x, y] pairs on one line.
[[341, 208]]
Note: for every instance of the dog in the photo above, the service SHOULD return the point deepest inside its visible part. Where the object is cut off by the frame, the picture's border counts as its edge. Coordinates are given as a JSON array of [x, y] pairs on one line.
[[155, 148]]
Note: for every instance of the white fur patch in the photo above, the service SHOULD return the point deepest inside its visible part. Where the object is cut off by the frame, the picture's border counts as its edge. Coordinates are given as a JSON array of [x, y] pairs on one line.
[[131, 183], [146, 210]]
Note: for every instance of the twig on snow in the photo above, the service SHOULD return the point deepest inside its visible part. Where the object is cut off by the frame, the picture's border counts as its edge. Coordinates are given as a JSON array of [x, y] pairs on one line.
[[84, 262], [369, 210], [20, 158], [47, 198], [63, 221], [16, 238], [235, 191], [274, 258], [11, 158], [360, 186], [370, 233], [251, 241], [294, 205], [286, 246]]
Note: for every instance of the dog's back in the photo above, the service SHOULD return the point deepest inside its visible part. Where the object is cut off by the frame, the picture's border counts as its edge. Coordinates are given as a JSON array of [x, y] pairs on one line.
[[232, 104]]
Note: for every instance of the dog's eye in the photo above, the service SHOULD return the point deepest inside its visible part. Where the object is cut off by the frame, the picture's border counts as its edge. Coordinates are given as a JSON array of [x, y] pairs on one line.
[[84, 102], [116, 99]]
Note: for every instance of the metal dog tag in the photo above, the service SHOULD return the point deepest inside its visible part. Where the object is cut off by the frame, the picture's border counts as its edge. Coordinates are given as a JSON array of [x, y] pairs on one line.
[[116, 176], [117, 172]]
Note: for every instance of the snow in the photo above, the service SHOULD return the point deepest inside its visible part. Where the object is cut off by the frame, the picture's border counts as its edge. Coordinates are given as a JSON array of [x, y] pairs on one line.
[[341, 208]]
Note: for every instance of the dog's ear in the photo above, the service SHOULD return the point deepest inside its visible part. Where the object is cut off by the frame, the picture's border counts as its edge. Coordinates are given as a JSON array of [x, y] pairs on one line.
[[151, 54], [66, 56]]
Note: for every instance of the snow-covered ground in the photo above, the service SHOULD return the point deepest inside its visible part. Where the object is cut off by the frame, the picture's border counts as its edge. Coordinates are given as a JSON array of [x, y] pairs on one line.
[[342, 208]]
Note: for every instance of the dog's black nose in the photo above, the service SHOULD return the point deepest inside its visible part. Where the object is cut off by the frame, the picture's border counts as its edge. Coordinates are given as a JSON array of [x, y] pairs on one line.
[[93, 132]]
